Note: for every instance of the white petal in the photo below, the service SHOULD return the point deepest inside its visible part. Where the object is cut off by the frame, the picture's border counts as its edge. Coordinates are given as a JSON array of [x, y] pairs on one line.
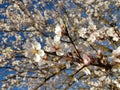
[[87, 71], [102, 78], [60, 52], [89, 1], [58, 29], [49, 49], [64, 46], [41, 53], [49, 42], [57, 38], [37, 58], [37, 45], [28, 45], [56, 43], [29, 53], [115, 38]]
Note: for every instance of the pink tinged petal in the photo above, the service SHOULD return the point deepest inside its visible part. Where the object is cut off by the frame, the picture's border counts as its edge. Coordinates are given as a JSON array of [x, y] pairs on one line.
[[86, 59], [58, 43]]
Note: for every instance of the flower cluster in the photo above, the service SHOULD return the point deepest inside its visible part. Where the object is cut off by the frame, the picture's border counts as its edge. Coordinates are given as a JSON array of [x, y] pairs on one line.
[[111, 32], [55, 45]]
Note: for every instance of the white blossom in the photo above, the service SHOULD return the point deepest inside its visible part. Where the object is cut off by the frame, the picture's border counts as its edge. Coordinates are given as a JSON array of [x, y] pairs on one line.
[[55, 46], [33, 50], [93, 37], [82, 32]]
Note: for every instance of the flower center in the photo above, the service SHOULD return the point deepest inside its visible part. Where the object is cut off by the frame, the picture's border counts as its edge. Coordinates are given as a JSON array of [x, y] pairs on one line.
[[45, 58], [35, 51], [56, 47]]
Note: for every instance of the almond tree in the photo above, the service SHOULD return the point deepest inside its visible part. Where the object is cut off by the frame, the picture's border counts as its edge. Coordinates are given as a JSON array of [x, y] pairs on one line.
[[60, 44]]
